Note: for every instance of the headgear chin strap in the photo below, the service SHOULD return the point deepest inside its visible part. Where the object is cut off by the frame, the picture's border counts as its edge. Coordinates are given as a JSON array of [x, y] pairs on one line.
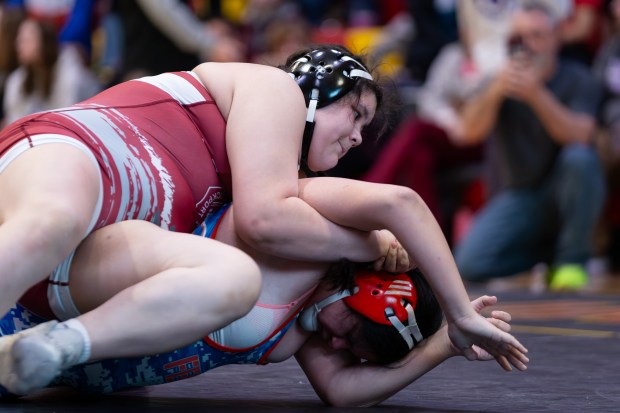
[[324, 76], [380, 296]]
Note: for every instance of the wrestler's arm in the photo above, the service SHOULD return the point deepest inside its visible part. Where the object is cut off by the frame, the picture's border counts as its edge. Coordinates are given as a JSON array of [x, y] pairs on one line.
[[265, 114], [340, 379], [367, 206]]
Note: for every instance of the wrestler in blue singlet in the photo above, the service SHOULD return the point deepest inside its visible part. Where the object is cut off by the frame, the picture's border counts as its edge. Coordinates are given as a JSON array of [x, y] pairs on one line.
[[116, 374]]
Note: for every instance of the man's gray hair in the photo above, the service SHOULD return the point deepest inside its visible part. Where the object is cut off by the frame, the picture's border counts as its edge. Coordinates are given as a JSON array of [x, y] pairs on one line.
[[555, 16]]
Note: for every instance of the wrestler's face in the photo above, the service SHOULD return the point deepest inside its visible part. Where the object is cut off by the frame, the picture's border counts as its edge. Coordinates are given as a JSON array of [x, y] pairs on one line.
[[341, 329], [338, 128]]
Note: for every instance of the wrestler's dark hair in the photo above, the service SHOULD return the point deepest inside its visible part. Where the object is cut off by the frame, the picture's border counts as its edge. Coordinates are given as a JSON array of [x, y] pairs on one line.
[[340, 275], [384, 341]]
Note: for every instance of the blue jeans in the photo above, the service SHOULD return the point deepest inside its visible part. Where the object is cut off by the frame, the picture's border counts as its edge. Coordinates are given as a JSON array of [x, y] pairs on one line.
[[551, 223]]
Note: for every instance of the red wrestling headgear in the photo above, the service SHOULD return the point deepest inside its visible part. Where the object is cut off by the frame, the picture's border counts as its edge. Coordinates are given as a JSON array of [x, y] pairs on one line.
[[376, 291], [379, 296], [387, 299]]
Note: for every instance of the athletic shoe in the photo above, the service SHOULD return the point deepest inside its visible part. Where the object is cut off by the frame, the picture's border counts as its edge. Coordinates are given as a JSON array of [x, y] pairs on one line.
[[568, 277], [34, 358]]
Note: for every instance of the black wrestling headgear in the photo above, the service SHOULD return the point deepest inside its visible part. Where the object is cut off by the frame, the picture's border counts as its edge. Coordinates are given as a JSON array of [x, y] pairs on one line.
[[324, 76]]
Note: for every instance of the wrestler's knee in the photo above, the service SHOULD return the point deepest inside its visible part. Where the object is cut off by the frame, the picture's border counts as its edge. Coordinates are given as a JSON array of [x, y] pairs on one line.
[[58, 224]]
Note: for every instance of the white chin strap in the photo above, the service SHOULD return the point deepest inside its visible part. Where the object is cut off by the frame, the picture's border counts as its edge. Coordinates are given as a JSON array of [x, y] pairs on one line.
[[314, 101], [409, 332]]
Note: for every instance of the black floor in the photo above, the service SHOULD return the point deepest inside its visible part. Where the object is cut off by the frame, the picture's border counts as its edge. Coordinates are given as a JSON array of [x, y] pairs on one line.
[[574, 344]]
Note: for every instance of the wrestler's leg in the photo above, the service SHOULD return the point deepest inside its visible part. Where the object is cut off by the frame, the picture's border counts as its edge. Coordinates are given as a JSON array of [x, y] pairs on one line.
[[167, 289], [159, 290], [49, 193]]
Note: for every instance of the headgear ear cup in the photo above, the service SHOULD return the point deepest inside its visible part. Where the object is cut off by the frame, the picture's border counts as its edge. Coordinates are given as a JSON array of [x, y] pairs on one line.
[[308, 317]]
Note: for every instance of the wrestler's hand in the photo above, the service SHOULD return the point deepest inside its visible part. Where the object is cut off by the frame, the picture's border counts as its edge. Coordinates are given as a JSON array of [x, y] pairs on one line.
[[479, 338], [394, 257]]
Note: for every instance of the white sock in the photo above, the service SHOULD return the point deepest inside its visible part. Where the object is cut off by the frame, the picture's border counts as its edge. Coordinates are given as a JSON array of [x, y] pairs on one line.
[[77, 325]]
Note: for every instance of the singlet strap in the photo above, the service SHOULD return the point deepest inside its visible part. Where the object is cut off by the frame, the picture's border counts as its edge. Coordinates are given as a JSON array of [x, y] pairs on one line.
[[290, 320]]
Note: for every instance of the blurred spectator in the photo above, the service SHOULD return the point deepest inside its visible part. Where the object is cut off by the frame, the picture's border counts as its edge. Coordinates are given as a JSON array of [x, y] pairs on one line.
[[427, 147], [264, 23], [427, 152], [10, 19], [78, 27], [281, 39], [358, 23], [49, 76], [606, 68], [539, 115], [435, 26], [167, 35], [560, 9], [89, 26], [388, 10], [54, 12], [391, 45], [328, 12], [107, 44], [316, 11], [581, 32], [487, 24], [74, 20], [363, 13]]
